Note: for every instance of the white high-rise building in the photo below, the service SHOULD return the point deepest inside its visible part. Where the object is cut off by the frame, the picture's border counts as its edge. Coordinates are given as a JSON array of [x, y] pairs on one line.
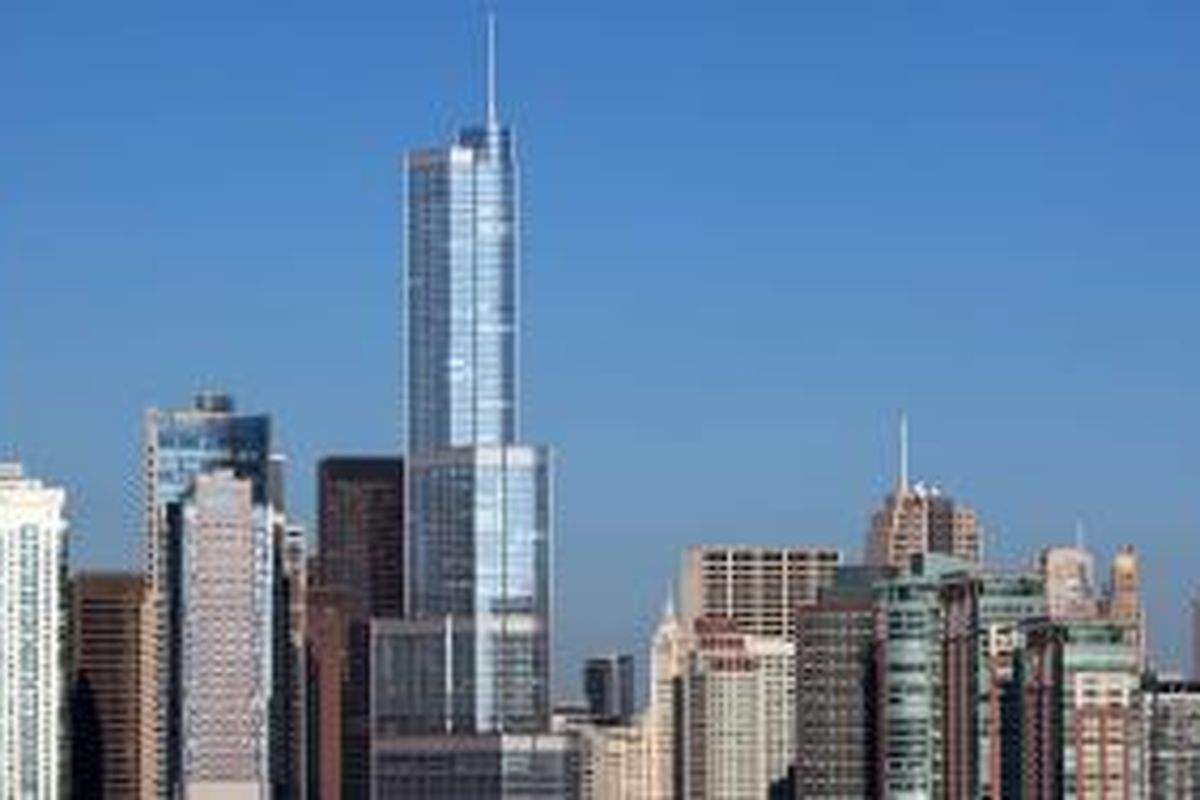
[[668, 659], [33, 548]]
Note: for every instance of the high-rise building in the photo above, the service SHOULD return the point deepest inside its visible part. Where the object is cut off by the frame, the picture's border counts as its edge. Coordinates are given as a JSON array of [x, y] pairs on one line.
[[1081, 734], [609, 688], [1069, 574], [613, 758], [920, 519], [477, 626], [759, 587], [835, 689], [179, 446], [33, 560], [909, 641], [737, 719], [106, 659], [668, 663], [289, 661], [360, 537], [227, 589], [358, 575], [982, 618], [1171, 717], [1124, 600]]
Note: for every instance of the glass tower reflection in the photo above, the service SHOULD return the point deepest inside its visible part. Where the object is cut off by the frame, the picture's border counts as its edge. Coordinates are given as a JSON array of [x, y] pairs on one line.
[[479, 525]]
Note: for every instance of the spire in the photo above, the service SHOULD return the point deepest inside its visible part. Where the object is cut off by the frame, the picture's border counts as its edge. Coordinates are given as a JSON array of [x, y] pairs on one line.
[[1079, 534], [903, 479], [491, 69]]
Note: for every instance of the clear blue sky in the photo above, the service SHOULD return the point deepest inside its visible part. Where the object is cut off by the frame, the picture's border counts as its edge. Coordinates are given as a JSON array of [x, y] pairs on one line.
[[753, 232]]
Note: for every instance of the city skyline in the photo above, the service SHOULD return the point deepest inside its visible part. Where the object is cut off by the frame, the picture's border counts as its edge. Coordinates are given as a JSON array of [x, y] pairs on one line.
[[1028, 481]]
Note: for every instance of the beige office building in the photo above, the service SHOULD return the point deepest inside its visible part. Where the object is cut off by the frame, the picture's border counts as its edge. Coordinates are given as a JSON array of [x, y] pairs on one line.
[[920, 519], [759, 587], [226, 665]]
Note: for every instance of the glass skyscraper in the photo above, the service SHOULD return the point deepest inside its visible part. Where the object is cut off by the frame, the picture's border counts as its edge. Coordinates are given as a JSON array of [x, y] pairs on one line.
[[461, 685], [479, 527]]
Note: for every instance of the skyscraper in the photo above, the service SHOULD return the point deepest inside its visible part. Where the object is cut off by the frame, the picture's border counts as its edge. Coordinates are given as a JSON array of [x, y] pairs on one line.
[[760, 587], [835, 689], [358, 575], [480, 521], [468, 670], [360, 536], [668, 663], [1171, 718], [107, 646], [909, 638], [179, 446], [609, 688], [920, 519], [33, 560], [1081, 735], [226, 678], [1069, 574]]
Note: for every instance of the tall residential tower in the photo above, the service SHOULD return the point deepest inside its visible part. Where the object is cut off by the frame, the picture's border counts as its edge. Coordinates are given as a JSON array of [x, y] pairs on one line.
[[33, 553]]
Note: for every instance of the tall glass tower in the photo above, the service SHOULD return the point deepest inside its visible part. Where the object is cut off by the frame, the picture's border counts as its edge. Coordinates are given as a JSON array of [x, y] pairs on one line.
[[479, 524]]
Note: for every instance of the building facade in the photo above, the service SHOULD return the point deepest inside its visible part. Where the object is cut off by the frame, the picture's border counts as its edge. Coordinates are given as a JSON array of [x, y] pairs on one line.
[[358, 574], [227, 624], [33, 561], [1069, 575], [835, 689], [911, 677], [107, 665], [920, 519], [608, 686], [179, 446], [983, 618], [759, 587], [1171, 719], [1080, 728]]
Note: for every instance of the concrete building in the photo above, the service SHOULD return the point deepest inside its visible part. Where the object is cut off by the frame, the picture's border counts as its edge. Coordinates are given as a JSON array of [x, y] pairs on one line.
[[737, 712], [613, 758], [1171, 718], [759, 587], [1196, 636], [835, 689], [1081, 735], [33, 628], [668, 664], [179, 446], [226, 679], [918, 519], [722, 728], [1124, 599], [1069, 575], [608, 685], [107, 665]]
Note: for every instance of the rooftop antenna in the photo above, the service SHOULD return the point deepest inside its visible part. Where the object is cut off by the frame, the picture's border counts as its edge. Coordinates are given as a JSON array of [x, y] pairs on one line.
[[1079, 534], [491, 68], [903, 486]]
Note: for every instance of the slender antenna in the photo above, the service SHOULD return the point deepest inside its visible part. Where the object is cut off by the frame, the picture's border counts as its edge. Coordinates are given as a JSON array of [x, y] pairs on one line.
[[903, 453], [491, 69], [1079, 534]]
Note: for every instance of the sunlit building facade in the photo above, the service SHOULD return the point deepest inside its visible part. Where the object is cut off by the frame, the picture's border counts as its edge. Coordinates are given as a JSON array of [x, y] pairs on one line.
[[33, 560]]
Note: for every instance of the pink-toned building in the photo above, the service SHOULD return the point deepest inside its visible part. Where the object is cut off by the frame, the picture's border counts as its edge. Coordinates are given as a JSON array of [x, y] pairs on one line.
[[226, 608]]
